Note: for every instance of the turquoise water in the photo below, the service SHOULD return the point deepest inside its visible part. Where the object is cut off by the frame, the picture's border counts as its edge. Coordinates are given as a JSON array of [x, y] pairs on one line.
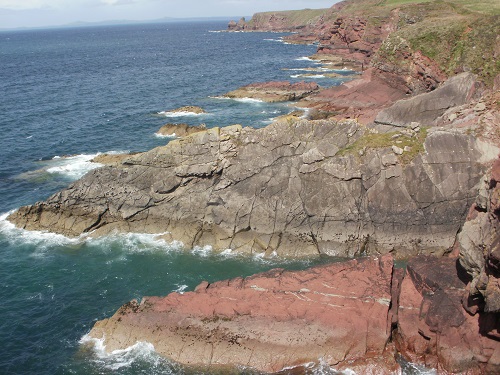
[[79, 92]]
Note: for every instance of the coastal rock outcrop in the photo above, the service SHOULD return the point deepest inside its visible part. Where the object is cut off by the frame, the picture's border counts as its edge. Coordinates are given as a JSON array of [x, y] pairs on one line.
[[337, 312], [186, 109], [274, 91], [361, 98], [427, 108], [434, 329], [296, 187], [179, 130], [358, 314]]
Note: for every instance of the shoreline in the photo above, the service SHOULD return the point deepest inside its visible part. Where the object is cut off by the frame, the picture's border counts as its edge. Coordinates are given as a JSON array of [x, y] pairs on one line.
[[214, 160]]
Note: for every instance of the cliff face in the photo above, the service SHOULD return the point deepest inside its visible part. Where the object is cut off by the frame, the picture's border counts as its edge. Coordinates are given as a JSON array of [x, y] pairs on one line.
[[425, 42], [296, 187]]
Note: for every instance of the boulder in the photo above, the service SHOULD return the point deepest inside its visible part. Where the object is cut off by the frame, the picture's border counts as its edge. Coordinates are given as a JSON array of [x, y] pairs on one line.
[[337, 312]]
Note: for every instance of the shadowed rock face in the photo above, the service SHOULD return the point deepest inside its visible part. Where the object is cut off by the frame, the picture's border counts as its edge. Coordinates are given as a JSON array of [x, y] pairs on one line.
[[284, 188], [434, 329]]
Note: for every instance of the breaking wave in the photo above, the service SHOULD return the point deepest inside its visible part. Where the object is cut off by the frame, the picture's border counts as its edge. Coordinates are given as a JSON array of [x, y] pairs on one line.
[[141, 354], [168, 136], [180, 114]]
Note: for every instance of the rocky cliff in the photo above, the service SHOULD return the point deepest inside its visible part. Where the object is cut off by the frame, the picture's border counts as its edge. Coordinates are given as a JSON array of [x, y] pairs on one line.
[[404, 161], [424, 42], [296, 187]]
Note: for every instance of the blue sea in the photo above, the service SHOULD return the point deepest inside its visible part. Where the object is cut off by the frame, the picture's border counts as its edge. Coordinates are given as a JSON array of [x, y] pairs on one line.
[[69, 94]]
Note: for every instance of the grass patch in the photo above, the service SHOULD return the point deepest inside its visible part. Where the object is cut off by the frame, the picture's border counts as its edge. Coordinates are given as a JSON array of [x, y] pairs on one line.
[[383, 140], [404, 2], [293, 18]]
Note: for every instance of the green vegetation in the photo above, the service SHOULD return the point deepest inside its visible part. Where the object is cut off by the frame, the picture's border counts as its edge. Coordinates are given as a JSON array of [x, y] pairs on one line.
[[292, 18], [453, 34], [381, 140]]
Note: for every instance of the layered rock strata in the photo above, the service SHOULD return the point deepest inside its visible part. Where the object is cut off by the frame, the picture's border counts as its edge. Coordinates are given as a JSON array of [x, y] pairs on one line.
[[351, 315], [267, 321], [179, 130], [275, 91], [296, 187]]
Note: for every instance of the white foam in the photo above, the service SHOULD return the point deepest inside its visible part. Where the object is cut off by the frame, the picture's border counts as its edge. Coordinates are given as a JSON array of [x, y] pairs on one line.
[[181, 289], [136, 242], [117, 359], [44, 240], [242, 100], [180, 114], [168, 136], [74, 166], [248, 100], [304, 58], [40, 239], [316, 76], [202, 251]]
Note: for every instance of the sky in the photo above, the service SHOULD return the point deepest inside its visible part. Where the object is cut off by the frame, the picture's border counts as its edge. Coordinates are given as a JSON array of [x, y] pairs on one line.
[[41, 13]]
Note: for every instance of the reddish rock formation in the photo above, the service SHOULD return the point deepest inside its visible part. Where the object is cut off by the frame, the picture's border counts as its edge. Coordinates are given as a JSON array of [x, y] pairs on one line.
[[337, 312], [355, 314], [362, 98], [434, 329]]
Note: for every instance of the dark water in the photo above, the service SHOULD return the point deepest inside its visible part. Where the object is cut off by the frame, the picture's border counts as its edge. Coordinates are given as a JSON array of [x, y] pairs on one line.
[[87, 90]]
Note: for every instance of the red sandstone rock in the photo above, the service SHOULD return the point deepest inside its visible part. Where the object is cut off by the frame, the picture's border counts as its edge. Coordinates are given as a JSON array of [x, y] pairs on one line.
[[434, 329], [337, 312], [362, 98]]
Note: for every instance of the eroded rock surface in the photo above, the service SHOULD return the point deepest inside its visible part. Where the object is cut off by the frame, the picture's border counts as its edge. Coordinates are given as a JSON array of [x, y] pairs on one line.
[[429, 107], [268, 321], [294, 187], [274, 91], [480, 247], [179, 130], [434, 329], [359, 314]]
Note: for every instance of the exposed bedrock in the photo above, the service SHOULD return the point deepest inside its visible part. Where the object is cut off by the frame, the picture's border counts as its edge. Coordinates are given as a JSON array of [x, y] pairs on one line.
[[479, 247], [355, 314], [274, 91], [296, 187], [429, 107], [267, 321]]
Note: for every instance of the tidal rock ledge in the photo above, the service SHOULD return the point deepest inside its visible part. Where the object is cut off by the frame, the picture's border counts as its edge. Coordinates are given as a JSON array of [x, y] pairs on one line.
[[356, 314]]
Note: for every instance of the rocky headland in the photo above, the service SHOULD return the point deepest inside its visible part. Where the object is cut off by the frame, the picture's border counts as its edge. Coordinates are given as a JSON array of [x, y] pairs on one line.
[[272, 92], [402, 162]]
